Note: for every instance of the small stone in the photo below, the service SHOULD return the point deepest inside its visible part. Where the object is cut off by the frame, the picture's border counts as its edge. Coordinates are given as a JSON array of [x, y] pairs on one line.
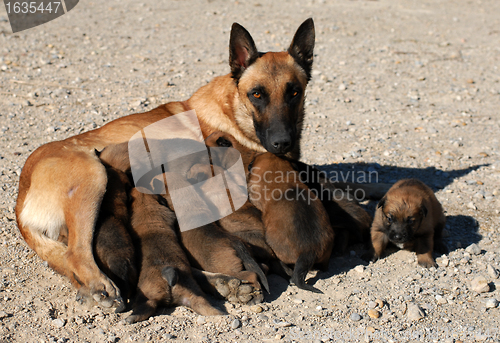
[[359, 268], [298, 300], [446, 320], [284, 324], [256, 308], [471, 206], [372, 304], [235, 324], [491, 303], [441, 300], [480, 285], [443, 262], [370, 329], [414, 312], [355, 317], [342, 87], [58, 323], [380, 303], [473, 249], [201, 320], [492, 271], [373, 313]]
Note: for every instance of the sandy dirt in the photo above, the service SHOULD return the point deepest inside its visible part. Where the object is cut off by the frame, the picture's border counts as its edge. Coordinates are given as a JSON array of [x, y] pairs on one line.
[[400, 89]]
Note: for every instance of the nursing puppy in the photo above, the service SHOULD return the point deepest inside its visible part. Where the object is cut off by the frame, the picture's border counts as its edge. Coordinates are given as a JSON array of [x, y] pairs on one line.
[[209, 247], [165, 276], [411, 217]]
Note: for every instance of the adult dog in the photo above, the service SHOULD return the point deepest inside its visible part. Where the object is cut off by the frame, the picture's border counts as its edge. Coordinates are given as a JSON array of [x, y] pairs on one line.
[[260, 103]]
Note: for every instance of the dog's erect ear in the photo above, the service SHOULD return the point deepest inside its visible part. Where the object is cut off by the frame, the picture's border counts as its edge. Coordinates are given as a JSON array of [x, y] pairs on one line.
[[302, 46], [170, 274], [381, 203], [424, 210], [242, 50]]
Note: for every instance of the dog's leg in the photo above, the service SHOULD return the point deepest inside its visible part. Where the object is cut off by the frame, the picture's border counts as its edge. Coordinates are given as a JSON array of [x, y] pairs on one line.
[[81, 210], [423, 247], [379, 242], [304, 263]]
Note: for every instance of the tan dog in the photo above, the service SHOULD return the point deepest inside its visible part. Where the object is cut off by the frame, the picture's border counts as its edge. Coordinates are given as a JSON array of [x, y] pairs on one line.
[[260, 103], [409, 216]]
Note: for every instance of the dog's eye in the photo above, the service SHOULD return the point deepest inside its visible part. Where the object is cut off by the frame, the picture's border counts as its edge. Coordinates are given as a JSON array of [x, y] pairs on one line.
[[256, 95], [410, 221], [295, 94], [389, 218]]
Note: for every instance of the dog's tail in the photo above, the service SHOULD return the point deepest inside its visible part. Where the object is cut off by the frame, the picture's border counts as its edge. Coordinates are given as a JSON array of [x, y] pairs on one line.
[[249, 263]]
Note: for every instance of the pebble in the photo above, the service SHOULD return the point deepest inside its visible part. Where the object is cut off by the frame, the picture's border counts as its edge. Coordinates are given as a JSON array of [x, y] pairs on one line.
[[235, 324], [298, 300], [380, 302], [359, 268], [373, 313], [491, 303], [372, 304], [492, 271], [441, 300], [471, 206], [480, 285], [256, 308], [58, 323], [473, 249], [355, 317], [201, 320], [414, 312], [342, 87]]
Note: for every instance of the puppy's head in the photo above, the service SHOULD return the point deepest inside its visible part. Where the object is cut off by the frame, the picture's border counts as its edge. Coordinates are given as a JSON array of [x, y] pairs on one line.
[[401, 217]]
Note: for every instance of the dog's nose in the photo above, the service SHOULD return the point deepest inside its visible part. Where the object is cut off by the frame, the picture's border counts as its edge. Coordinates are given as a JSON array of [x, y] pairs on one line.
[[281, 143]]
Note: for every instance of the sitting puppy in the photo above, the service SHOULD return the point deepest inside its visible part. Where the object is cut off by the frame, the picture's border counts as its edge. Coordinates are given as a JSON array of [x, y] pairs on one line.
[[409, 216], [297, 227], [350, 222], [165, 275]]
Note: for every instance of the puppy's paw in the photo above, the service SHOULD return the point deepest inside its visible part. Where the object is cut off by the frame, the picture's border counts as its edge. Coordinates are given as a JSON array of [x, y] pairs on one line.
[[370, 257], [426, 261], [238, 291]]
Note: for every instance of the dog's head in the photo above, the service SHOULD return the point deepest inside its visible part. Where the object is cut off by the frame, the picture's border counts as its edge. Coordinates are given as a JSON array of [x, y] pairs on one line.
[[271, 87], [401, 217]]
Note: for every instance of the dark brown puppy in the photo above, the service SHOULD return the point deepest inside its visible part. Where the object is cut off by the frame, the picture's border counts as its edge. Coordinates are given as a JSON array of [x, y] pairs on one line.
[[113, 248], [297, 226], [211, 248], [350, 222], [409, 215], [165, 277]]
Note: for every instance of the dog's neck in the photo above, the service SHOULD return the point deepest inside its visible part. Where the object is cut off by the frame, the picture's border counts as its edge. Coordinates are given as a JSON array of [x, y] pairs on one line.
[[223, 111]]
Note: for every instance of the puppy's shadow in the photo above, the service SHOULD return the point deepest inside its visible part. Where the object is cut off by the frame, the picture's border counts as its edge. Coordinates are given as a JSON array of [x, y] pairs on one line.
[[460, 231]]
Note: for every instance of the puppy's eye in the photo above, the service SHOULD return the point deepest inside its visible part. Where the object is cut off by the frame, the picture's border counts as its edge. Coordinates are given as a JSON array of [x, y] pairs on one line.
[[257, 95], [410, 220], [389, 218]]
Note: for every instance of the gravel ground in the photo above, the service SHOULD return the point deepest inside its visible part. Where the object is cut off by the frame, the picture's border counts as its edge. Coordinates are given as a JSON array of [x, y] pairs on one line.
[[400, 89]]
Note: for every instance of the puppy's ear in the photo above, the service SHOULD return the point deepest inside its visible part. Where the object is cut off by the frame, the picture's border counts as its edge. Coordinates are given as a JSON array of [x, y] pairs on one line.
[[381, 203], [170, 275], [302, 46], [97, 152], [242, 50], [424, 211]]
